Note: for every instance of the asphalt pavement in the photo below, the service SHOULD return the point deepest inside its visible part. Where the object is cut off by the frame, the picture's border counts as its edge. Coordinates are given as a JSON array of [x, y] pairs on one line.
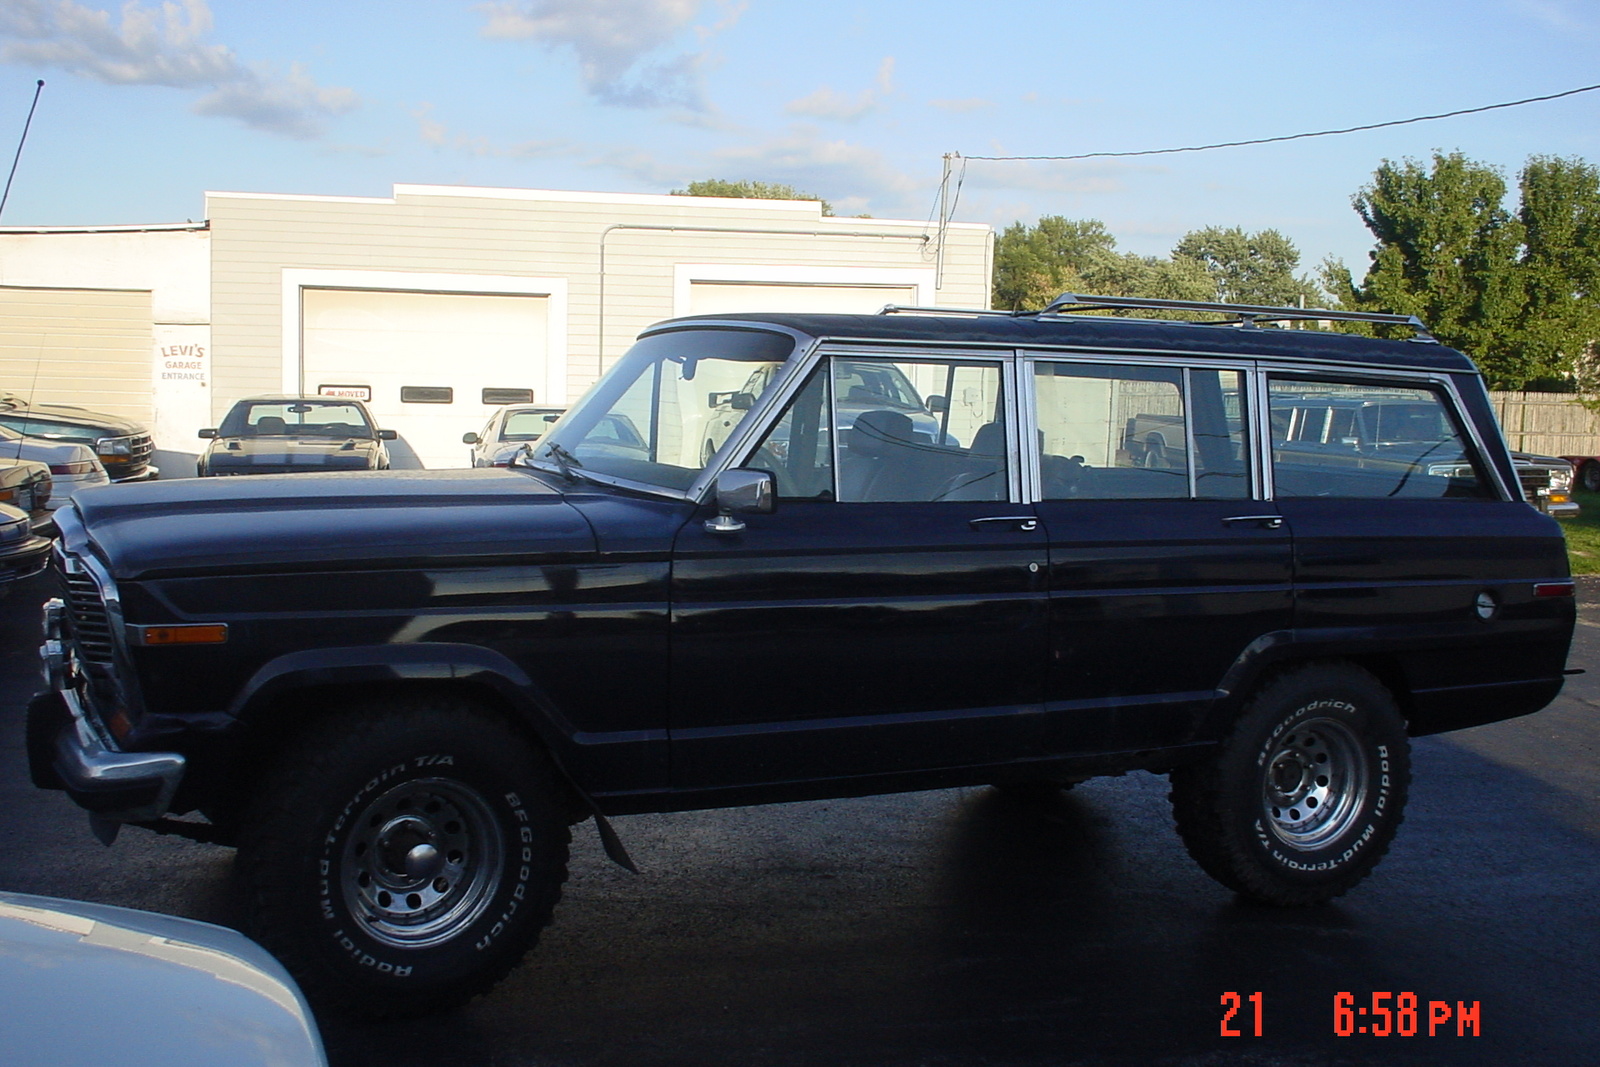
[[963, 927]]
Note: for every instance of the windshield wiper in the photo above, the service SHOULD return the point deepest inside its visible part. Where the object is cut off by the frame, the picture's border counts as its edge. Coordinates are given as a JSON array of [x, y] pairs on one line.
[[568, 463]]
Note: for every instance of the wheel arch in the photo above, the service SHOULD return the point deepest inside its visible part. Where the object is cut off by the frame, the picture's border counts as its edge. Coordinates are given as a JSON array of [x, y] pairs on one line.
[[289, 694], [1277, 653]]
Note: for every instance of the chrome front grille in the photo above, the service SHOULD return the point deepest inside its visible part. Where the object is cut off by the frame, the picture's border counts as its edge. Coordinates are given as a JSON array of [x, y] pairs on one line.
[[88, 623], [1533, 479]]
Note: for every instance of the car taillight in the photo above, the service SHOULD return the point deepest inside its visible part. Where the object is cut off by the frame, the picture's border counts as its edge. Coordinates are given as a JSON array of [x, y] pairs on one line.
[[72, 468]]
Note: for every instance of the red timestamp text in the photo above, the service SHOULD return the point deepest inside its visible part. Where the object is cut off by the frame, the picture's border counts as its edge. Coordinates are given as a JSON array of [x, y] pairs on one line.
[[1233, 1002], [1404, 1015]]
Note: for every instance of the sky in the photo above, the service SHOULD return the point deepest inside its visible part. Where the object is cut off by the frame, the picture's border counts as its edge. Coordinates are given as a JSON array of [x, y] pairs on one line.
[[147, 105]]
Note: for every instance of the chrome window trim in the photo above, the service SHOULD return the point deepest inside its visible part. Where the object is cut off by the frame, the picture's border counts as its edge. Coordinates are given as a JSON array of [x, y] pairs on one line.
[[798, 368], [1029, 359], [1190, 456], [1444, 381], [791, 376]]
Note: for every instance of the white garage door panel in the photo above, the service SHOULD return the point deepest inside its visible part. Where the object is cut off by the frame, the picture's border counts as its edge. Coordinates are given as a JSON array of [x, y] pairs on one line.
[[86, 347], [465, 342], [710, 298]]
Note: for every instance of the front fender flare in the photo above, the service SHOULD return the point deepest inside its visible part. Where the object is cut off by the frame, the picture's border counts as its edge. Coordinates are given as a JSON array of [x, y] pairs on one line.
[[422, 661]]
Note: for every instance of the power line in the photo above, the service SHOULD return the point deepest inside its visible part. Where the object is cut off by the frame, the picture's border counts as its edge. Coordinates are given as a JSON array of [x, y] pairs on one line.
[[1301, 136]]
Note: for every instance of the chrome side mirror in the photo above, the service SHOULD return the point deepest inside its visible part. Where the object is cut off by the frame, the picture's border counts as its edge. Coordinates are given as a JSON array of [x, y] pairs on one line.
[[741, 491]]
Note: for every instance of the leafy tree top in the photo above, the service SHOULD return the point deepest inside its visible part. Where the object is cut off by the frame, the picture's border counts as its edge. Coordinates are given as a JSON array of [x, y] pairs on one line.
[[749, 190]]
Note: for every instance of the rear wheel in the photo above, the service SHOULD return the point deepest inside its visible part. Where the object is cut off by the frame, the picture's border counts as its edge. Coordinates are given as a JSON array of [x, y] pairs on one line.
[[1301, 800], [405, 855]]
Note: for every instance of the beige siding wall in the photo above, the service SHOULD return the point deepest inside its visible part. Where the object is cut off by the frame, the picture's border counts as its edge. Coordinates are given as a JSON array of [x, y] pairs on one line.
[[429, 230], [86, 347]]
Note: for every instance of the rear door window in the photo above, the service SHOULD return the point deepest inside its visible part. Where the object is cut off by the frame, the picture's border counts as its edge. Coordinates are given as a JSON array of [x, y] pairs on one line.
[[1367, 440]]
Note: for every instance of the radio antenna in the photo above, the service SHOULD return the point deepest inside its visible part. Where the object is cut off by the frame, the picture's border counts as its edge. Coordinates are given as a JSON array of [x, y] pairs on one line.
[[37, 89]]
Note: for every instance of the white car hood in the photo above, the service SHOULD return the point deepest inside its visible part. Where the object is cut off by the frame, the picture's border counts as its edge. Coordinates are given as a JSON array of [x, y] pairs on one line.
[[88, 985]]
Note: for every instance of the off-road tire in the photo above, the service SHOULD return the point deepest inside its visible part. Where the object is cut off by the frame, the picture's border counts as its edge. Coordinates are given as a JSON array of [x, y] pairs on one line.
[[1303, 796], [404, 855]]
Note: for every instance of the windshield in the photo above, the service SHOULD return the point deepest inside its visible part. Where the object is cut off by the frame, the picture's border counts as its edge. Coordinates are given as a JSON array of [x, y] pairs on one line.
[[296, 418], [658, 415]]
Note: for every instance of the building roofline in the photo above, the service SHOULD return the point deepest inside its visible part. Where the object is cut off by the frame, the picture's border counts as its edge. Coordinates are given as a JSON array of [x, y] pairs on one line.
[[155, 227]]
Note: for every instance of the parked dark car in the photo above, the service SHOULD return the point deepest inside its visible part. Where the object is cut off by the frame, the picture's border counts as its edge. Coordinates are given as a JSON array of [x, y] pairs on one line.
[[27, 486], [1374, 426], [286, 434], [23, 553], [395, 696], [507, 431], [123, 446]]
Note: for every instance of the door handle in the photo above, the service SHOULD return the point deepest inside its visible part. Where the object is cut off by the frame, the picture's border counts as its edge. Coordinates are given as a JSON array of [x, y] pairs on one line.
[[1026, 523], [1270, 522]]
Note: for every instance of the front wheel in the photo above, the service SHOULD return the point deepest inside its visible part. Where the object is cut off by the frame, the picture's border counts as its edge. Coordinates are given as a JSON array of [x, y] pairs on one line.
[[1301, 800], [1589, 476], [404, 855]]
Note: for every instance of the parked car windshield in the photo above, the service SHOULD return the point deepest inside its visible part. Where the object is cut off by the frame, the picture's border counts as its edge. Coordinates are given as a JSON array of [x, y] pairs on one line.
[[528, 425], [657, 415], [281, 418]]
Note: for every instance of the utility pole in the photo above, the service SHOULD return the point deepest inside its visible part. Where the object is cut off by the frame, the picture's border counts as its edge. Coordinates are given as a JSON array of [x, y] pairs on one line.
[[944, 218]]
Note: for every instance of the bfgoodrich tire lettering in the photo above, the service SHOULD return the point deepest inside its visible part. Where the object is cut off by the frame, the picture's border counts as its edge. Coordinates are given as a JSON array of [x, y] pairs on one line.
[[1302, 798], [405, 855]]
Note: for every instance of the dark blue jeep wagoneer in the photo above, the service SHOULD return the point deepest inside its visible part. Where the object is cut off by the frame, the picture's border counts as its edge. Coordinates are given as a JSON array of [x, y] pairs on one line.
[[773, 557]]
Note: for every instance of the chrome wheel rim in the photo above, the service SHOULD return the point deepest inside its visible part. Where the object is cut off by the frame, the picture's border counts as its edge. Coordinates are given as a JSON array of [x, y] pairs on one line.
[[1315, 787], [421, 862]]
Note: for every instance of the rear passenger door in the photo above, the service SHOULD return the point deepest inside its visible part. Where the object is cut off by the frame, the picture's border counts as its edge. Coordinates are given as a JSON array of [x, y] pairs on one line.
[[1399, 524], [1166, 561]]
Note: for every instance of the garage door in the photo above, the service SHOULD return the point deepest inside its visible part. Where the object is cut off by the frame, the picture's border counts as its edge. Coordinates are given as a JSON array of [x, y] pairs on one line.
[[89, 347], [709, 298], [432, 365]]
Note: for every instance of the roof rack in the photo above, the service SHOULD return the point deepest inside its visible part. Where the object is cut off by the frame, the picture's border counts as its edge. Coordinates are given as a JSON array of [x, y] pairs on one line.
[[908, 309], [1246, 315]]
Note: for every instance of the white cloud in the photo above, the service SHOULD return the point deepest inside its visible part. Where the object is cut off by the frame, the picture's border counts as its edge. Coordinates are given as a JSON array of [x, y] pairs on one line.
[[614, 41], [827, 103], [836, 170], [166, 46]]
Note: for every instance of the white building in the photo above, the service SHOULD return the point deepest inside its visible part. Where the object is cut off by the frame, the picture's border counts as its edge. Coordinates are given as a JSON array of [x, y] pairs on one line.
[[434, 303]]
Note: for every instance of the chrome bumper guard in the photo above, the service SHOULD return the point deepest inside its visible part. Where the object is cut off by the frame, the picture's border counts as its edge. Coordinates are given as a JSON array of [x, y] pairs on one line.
[[112, 784]]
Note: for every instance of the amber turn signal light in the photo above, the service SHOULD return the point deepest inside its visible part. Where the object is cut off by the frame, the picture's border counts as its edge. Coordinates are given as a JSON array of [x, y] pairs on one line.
[[197, 633]]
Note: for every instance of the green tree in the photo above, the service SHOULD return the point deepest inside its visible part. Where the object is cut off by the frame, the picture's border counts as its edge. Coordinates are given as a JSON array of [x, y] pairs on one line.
[[1035, 264], [748, 190], [1249, 268], [1448, 253], [1560, 266]]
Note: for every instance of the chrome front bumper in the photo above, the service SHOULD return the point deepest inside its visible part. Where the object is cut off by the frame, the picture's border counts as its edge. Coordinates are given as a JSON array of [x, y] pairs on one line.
[[100, 777]]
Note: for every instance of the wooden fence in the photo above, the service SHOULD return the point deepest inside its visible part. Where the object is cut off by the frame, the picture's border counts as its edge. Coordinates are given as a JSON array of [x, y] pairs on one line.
[[1550, 424]]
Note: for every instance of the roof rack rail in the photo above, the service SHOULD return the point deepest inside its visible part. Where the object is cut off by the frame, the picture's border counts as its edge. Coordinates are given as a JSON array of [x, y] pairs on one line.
[[1242, 314], [909, 309]]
